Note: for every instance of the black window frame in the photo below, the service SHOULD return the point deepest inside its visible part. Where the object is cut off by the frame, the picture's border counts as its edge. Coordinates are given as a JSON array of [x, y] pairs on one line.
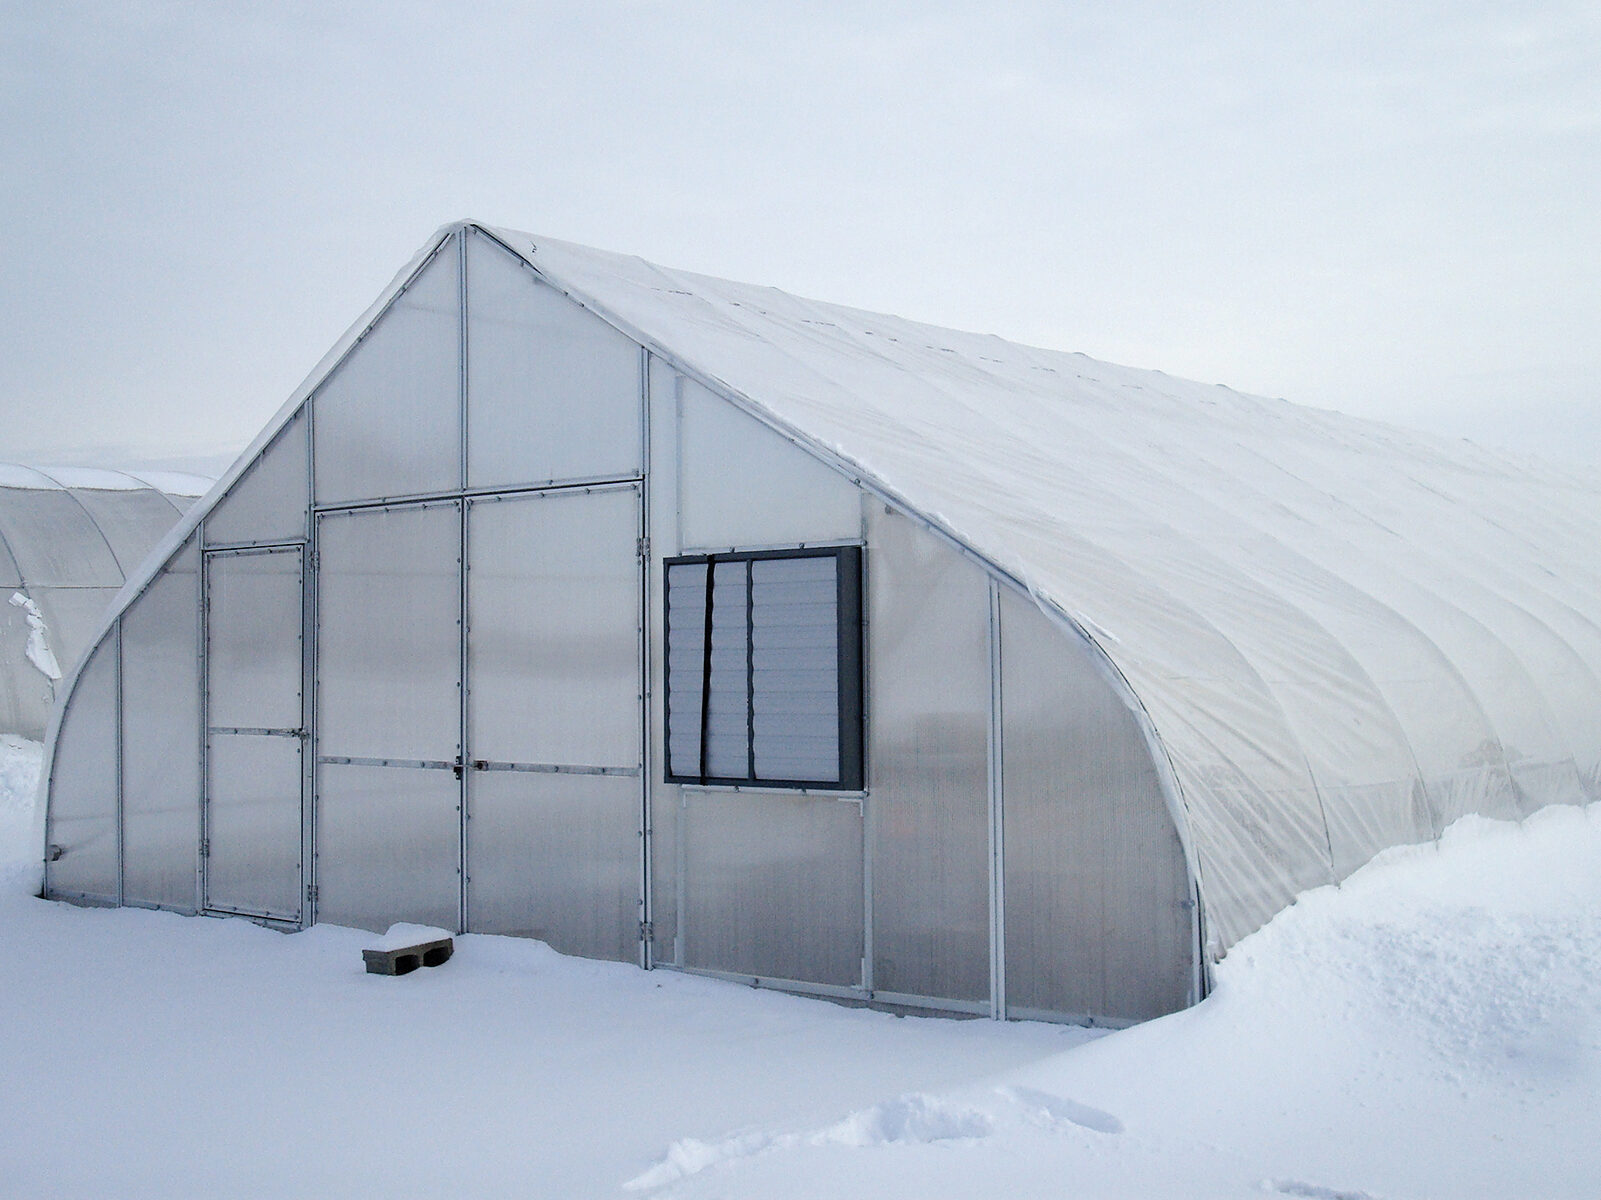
[[849, 647]]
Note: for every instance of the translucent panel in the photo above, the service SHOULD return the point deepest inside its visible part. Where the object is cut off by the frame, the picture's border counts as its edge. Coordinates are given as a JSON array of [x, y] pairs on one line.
[[930, 765], [1096, 888], [388, 846], [73, 615], [161, 738], [388, 639], [253, 621], [773, 887], [132, 522], [82, 820], [54, 541], [553, 651], [665, 844], [741, 484], [10, 576], [388, 421], [556, 857], [553, 391], [253, 825], [270, 500], [26, 692], [795, 668]]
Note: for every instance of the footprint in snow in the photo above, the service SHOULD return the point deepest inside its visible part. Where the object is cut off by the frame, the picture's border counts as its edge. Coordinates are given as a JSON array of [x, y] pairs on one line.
[[1056, 1110], [913, 1118]]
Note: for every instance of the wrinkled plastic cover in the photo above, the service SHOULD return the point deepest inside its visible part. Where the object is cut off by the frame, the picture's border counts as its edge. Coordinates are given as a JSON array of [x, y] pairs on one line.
[[1345, 635]]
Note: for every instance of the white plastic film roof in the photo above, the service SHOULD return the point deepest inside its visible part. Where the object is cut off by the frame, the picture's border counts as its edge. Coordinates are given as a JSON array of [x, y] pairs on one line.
[[1345, 635]]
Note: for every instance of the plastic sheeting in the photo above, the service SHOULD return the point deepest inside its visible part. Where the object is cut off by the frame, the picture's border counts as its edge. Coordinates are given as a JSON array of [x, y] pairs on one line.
[[1344, 635], [69, 536]]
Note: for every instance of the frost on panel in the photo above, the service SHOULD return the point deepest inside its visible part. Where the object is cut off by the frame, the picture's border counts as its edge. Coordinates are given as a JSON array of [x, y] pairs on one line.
[[553, 392], [388, 419]]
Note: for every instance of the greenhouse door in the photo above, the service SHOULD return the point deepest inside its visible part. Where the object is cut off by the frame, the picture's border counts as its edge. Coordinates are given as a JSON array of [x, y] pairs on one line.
[[255, 731], [388, 801], [554, 729]]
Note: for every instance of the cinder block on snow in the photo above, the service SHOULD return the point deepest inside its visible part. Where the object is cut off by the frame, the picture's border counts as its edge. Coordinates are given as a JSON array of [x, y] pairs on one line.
[[402, 960]]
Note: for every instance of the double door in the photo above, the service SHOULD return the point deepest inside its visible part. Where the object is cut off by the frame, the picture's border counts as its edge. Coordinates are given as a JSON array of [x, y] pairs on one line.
[[479, 722]]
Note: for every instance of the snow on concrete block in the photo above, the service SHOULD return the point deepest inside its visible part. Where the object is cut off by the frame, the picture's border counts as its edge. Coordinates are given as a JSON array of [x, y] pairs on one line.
[[406, 947]]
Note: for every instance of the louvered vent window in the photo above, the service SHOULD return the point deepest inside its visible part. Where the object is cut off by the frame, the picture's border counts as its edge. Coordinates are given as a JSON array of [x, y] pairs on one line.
[[764, 668]]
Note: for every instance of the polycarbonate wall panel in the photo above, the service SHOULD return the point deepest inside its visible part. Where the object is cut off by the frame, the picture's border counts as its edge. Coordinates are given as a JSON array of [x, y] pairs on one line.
[[930, 711], [131, 522], [388, 421], [161, 737], [73, 616], [54, 542], [253, 622], [773, 886], [556, 857], [742, 485], [10, 575], [553, 647], [83, 784], [388, 846], [794, 631], [269, 502], [553, 391], [253, 825], [1096, 887], [388, 642]]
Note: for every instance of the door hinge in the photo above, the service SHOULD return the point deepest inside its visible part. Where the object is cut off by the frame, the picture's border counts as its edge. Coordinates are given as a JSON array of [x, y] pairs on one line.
[[311, 893], [205, 847], [647, 931], [642, 548]]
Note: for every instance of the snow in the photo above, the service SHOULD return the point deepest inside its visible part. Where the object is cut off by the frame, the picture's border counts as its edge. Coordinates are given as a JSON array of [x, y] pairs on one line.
[[1431, 1028], [38, 648]]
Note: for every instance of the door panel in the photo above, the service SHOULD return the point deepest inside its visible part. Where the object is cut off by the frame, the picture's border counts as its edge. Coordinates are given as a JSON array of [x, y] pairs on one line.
[[254, 732], [389, 716], [555, 719]]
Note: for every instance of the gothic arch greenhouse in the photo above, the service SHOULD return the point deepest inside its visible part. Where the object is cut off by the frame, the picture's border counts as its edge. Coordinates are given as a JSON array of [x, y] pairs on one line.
[[685, 622]]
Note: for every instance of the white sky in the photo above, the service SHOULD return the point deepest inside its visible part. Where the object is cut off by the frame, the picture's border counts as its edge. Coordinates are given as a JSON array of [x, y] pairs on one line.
[[1387, 209]]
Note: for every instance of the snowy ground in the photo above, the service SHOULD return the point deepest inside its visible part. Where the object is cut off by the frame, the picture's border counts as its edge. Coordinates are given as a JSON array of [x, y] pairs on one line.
[[1432, 1029]]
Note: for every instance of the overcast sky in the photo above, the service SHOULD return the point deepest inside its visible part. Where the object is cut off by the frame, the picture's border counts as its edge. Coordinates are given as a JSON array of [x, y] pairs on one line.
[[1389, 209]]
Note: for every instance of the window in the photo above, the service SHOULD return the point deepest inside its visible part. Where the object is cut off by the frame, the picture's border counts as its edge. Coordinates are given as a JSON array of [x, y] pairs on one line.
[[764, 668]]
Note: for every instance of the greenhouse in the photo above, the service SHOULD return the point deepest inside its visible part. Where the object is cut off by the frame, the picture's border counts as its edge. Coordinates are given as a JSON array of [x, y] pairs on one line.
[[69, 537], [689, 623]]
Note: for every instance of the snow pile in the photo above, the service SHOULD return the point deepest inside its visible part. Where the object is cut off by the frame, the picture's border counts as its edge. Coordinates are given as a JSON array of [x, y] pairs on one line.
[[1431, 1029], [38, 651], [19, 775]]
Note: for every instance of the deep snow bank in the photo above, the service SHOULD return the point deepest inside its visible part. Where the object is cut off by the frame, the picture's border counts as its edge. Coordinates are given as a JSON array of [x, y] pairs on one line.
[[1430, 1029]]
